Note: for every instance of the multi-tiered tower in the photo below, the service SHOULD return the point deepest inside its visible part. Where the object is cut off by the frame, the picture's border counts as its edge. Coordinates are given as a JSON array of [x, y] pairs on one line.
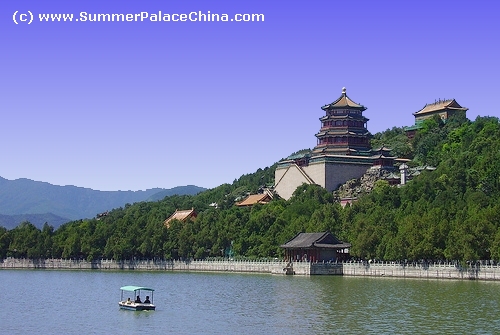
[[342, 152], [343, 129]]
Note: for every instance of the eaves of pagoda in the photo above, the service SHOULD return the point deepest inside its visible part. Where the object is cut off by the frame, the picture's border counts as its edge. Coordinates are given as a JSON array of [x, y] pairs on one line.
[[344, 102]]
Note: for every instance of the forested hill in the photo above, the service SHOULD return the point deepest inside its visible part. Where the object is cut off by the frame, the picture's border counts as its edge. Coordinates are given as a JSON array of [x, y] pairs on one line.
[[450, 213], [43, 200]]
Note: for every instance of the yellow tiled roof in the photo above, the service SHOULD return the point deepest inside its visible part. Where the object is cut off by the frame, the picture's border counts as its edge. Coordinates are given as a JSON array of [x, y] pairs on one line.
[[254, 199], [343, 101], [440, 105], [180, 215]]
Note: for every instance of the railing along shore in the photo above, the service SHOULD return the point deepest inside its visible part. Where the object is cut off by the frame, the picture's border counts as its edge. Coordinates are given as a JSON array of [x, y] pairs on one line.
[[481, 270]]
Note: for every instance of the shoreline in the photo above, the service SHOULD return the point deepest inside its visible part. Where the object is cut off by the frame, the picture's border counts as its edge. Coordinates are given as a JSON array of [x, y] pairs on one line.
[[349, 269]]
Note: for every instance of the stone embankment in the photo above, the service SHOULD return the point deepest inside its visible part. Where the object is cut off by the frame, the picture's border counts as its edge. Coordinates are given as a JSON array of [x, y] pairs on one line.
[[478, 271], [273, 267], [438, 270]]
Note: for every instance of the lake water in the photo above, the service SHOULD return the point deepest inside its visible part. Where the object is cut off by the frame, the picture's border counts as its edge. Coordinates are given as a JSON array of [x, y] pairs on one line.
[[86, 302]]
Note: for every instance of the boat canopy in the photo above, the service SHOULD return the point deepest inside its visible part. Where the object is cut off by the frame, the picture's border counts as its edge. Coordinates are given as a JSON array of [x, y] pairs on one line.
[[131, 288]]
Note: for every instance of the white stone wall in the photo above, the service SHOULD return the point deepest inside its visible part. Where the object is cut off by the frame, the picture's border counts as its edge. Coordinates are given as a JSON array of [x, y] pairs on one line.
[[316, 171], [288, 179], [325, 174], [274, 267], [362, 269], [427, 271]]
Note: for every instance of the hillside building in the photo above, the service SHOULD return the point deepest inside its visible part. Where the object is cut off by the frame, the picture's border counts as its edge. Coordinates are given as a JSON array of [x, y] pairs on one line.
[[342, 151], [444, 108], [253, 199], [316, 247], [181, 215]]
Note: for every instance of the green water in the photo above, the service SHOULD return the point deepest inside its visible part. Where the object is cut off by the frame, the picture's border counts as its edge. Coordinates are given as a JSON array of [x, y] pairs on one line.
[[76, 302]]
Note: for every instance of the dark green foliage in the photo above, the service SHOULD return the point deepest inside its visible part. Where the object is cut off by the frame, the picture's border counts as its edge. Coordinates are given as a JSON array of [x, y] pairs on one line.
[[450, 213], [396, 140], [38, 220]]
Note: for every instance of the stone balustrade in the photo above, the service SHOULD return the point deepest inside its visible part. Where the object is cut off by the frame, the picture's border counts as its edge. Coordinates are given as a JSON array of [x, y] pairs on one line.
[[480, 271]]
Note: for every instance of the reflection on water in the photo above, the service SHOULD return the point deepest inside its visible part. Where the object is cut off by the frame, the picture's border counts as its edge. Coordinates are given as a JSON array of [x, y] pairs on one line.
[[70, 302]]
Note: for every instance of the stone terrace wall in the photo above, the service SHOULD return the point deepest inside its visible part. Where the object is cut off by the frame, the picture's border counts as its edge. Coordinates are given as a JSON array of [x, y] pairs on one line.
[[366, 269], [326, 269], [274, 267], [422, 270]]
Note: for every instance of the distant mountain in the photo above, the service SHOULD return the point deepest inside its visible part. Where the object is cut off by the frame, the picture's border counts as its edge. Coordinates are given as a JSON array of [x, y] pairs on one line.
[[178, 190], [25, 196], [38, 220]]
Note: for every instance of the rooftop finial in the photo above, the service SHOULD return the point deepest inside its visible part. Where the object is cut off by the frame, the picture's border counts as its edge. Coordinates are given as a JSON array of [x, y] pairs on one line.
[[343, 90]]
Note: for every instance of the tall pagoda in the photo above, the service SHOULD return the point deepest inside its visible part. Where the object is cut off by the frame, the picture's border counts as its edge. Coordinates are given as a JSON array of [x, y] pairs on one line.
[[342, 151], [343, 129]]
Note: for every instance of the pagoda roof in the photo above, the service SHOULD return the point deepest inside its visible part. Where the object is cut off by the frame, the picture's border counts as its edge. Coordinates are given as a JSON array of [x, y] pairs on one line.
[[181, 215], [341, 151], [382, 149], [343, 131], [344, 117], [378, 156], [323, 240], [255, 199], [392, 176], [414, 127], [343, 102], [440, 105]]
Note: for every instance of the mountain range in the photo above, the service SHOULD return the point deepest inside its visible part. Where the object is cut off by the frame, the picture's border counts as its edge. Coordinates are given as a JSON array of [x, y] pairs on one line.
[[39, 202]]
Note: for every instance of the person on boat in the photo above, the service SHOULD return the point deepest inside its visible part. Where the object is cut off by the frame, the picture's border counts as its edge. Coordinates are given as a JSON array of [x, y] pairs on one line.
[[129, 301], [138, 300], [147, 300]]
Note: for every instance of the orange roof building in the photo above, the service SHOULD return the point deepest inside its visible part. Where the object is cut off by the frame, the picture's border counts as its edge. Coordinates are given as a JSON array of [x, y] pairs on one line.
[[182, 215], [255, 199]]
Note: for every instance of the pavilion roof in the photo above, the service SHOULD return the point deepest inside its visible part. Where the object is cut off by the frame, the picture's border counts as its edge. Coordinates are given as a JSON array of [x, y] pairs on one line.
[[382, 148], [253, 199], [343, 102], [181, 215], [450, 104], [315, 240]]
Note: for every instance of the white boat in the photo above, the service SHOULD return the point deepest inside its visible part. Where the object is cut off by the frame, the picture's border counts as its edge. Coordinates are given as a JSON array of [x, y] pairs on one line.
[[136, 302]]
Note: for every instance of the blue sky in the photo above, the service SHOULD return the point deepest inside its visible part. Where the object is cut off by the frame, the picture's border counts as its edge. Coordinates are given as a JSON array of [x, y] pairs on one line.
[[137, 105]]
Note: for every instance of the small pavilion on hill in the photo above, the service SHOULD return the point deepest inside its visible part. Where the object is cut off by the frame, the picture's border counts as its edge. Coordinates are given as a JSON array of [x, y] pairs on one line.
[[444, 108], [316, 247], [253, 199], [181, 215]]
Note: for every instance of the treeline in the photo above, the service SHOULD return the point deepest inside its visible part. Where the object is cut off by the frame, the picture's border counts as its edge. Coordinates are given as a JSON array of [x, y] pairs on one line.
[[451, 213], [137, 230]]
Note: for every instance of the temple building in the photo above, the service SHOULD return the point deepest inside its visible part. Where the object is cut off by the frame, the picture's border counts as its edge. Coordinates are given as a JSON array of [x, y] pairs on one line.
[[181, 215], [343, 128], [342, 151], [443, 108], [253, 199], [316, 247]]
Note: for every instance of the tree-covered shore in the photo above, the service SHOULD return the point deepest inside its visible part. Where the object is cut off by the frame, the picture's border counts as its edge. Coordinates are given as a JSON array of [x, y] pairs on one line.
[[450, 213]]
